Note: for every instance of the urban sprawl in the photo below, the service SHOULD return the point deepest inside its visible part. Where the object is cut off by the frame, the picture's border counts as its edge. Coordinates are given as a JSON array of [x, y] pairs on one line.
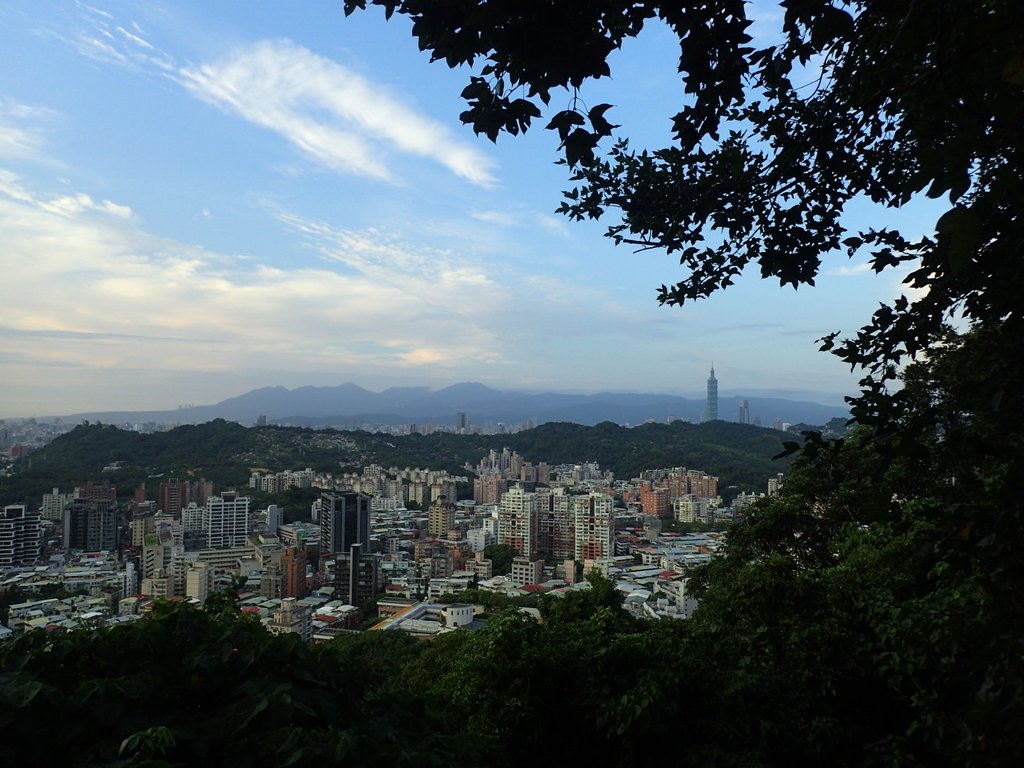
[[385, 549]]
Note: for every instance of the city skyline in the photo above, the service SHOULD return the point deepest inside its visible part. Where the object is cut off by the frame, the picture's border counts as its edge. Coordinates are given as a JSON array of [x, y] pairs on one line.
[[201, 200]]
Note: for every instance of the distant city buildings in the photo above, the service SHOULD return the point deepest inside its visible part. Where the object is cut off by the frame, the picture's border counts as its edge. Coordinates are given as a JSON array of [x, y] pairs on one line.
[[744, 416], [281, 481]]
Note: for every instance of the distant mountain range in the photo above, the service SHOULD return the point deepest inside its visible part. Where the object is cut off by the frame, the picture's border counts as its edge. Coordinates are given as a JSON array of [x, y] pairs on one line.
[[350, 406]]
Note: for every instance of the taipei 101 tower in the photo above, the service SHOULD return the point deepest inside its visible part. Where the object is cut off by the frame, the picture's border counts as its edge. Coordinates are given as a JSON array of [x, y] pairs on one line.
[[711, 411]]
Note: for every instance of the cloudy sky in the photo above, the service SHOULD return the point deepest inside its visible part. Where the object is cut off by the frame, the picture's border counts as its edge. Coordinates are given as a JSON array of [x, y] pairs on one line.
[[199, 198]]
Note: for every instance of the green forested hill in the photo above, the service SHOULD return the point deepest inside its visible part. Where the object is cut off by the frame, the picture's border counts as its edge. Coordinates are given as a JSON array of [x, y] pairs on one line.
[[738, 454], [226, 452]]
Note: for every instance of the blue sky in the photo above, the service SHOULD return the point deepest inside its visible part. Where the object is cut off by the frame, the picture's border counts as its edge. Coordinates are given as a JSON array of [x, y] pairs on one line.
[[197, 199]]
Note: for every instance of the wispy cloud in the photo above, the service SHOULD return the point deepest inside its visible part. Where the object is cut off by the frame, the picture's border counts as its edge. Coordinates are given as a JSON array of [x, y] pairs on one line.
[[20, 136], [336, 117], [55, 334], [100, 37], [522, 217], [111, 289], [500, 218], [64, 205]]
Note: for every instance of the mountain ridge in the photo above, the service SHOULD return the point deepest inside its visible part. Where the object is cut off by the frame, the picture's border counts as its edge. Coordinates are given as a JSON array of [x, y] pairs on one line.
[[351, 404]]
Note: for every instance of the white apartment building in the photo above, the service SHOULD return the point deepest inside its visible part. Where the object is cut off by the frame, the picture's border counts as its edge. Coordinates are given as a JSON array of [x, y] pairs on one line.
[[226, 522]]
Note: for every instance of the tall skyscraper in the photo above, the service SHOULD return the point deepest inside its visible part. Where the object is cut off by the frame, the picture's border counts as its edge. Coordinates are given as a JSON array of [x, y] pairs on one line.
[[344, 521], [711, 412], [461, 422], [744, 412]]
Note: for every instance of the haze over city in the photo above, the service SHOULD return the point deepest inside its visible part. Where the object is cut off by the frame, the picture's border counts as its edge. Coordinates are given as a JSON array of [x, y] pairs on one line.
[[201, 199]]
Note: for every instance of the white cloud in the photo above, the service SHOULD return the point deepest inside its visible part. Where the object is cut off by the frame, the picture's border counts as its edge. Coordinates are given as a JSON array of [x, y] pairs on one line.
[[65, 205], [133, 38], [99, 37], [116, 297], [501, 218], [72, 204], [99, 12], [19, 134], [336, 117]]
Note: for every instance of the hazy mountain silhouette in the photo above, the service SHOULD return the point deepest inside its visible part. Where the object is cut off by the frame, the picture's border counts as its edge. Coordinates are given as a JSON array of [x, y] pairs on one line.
[[350, 405]]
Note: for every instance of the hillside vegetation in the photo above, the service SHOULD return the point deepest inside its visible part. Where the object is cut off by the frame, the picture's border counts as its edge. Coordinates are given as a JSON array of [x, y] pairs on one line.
[[226, 452]]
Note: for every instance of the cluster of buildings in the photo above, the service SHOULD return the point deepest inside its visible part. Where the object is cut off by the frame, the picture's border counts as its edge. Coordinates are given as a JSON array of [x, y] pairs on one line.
[[499, 470], [395, 536], [19, 437]]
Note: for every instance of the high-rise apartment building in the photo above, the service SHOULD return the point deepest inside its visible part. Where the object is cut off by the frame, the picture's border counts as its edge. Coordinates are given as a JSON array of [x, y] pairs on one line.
[[518, 521], [344, 521], [54, 503], [192, 516], [440, 517], [158, 551], [354, 575], [655, 501], [293, 567], [91, 526], [174, 496], [556, 523], [488, 489], [227, 521], [21, 536], [594, 526]]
